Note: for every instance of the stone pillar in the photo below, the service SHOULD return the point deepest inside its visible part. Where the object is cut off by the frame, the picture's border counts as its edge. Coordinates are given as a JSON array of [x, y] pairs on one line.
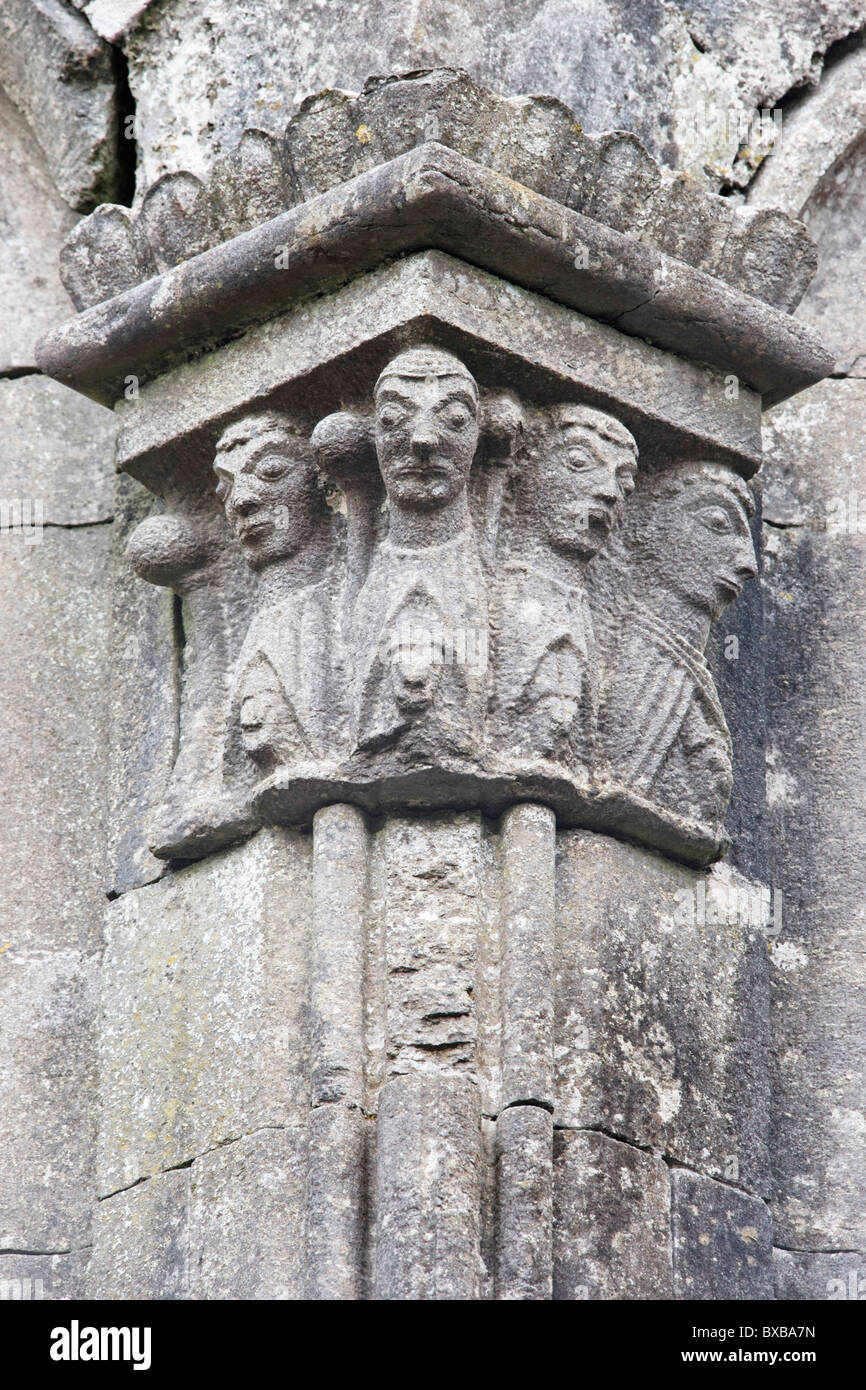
[[428, 980]]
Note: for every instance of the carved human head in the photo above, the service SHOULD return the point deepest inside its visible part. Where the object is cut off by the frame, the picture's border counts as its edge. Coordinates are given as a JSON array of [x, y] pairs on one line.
[[268, 485], [580, 485], [427, 426], [687, 534]]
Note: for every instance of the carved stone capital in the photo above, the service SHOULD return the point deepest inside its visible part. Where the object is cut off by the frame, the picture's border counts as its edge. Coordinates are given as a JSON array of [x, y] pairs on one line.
[[454, 432]]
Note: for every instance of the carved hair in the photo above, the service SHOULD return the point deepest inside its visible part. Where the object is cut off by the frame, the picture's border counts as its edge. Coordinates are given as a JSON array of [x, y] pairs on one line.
[[262, 424], [426, 361], [598, 422]]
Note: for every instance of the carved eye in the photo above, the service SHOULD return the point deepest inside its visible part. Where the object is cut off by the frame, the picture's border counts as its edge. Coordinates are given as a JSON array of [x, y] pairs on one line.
[[271, 468], [390, 417], [579, 460], [457, 417], [716, 519]]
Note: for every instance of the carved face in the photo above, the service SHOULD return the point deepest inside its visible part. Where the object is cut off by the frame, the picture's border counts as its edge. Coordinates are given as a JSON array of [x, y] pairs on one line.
[[267, 485], [426, 437], [581, 487], [702, 548]]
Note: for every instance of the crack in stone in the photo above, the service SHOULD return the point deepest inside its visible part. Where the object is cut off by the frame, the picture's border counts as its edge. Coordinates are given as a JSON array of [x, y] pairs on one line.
[[188, 1162]]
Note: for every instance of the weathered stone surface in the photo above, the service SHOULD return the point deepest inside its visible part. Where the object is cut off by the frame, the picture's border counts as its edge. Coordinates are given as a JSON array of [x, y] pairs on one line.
[[611, 1232], [815, 602], [817, 134], [147, 629], [807, 1276], [524, 1204], [721, 1241], [203, 1034], [661, 1011], [428, 895], [60, 75], [47, 1085], [53, 595], [228, 85], [250, 184], [340, 859], [32, 1278], [246, 1222], [58, 450], [528, 940], [666, 402], [340, 1178], [430, 196], [834, 214], [102, 257], [141, 1241], [112, 18], [428, 1192], [619, 67], [765, 67], [35, 221]]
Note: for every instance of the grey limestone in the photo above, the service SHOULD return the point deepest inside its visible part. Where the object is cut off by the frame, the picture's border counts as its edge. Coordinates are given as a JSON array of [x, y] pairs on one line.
[[141, 1242], [59, 451], [203, 1035], [662, 1007], [721, 1241], [48, 1002], [428, 1221], [61, 76], [524, 1204], [246, 1218], [612, 1237], [35, 221]]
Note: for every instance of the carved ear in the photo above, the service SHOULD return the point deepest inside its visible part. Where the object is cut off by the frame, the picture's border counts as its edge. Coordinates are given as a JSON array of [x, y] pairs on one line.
[[344, 447], [170, 549], [503, 424]]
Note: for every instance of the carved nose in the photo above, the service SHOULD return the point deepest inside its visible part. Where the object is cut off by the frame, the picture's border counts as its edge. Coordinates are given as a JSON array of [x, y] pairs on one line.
[[423, 438], [747, 567], [245, 503]]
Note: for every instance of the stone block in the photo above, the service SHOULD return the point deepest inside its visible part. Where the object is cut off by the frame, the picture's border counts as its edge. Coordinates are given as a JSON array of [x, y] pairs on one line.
[[58, 450], [204, 1026], [53, 595], [35, 221], [661, 1010], [721, 1241], [60, 75], [47, 1086], [611, 1232], [804, 1276], [141, 1242], [247, 1209], [814, 603], [38, 1278], [428, 1197]]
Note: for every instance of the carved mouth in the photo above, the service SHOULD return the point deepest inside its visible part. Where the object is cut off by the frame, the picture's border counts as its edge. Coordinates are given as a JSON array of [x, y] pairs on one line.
[[733, 587], [254, 529]]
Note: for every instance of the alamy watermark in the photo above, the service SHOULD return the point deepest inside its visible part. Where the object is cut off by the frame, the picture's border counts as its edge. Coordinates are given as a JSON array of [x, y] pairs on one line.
[[22, 518], [719, 903]]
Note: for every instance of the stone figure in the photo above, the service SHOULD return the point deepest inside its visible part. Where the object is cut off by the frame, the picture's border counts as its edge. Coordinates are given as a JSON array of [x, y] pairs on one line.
[[285, 696], [420, 621], [682, 554], [568, 497]]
